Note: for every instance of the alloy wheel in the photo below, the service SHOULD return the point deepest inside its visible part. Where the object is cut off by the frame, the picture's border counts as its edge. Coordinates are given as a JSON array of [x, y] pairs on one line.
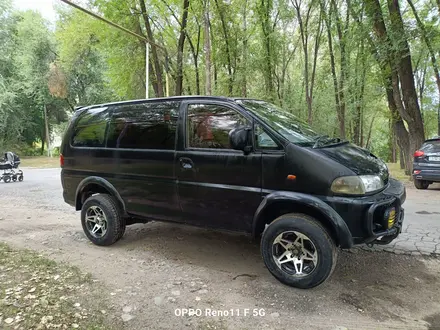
[[294, 253], [96, 221]]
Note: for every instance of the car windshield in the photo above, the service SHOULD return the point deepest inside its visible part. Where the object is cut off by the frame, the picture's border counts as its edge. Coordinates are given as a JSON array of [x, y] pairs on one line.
[[431, 146], [287, 124]]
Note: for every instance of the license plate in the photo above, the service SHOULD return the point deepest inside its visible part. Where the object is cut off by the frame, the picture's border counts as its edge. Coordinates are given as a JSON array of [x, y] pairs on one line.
[[434, 159]]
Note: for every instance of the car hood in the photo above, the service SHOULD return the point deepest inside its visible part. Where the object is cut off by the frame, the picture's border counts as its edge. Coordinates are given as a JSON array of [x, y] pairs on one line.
[[359, 160]]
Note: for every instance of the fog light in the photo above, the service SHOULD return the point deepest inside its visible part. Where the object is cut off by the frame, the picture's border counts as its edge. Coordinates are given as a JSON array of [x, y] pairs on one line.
[[390, 217]]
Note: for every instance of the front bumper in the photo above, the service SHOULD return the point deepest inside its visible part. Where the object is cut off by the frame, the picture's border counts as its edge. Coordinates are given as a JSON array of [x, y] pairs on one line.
[[385, 236], [365, 216]]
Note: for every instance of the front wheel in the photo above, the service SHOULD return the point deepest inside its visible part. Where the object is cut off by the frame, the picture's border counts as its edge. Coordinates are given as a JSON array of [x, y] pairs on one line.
[[298, 251], [101, 220], [421, 184]]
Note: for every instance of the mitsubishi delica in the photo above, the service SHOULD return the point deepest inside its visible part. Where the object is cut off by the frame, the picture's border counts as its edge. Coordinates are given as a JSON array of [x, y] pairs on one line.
[[233, 164]]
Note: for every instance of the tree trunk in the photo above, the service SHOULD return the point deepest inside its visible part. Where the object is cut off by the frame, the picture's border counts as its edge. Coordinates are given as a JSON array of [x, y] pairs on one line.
[[392, 142], [180, 46], [396, 67], [43, 141], [207, 45], [46, 126], [227, 48], [315, 58], [359, 93], [435, 65], [305, 45], [406, 78], [343, 76], [367, 145], [157, 66], [340, 113], [245, 51], [265, 9], [401, 159], [195, 54]]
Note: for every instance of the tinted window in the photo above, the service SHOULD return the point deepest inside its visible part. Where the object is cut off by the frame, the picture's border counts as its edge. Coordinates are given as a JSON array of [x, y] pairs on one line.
[[285, 123], [208, 125], [143, 126], [89, 130], [431, 146], [263, 140]]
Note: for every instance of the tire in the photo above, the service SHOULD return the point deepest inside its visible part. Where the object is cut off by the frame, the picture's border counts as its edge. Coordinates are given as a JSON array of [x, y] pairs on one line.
[[115, 225], [7, 179], [421, 184], [20, 178], [123, 227], [320, 243]]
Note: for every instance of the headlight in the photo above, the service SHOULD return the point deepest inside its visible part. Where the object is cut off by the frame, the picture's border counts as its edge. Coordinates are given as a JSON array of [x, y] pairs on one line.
[[371, 182], [357, 185]]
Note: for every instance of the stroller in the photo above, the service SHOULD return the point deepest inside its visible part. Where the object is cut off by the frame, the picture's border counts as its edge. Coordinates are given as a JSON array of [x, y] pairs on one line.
[[9, 165]]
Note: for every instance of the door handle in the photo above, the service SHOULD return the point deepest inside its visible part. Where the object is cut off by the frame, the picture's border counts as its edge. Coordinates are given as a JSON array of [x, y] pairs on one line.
[[186, 163]]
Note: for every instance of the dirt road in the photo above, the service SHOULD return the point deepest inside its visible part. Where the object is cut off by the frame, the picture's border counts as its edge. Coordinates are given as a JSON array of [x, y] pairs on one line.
[[157, 271]]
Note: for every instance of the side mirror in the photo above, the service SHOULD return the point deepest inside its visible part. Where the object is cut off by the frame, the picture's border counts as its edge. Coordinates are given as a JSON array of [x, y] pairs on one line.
[[240, 139]]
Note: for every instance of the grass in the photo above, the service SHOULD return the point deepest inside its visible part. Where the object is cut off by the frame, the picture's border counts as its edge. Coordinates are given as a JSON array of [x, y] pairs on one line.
[[40, 161], [397, 173], [38, 293]]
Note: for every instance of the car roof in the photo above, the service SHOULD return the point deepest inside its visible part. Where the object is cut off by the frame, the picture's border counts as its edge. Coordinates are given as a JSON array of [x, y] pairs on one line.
[[436, 138], [165, 99]]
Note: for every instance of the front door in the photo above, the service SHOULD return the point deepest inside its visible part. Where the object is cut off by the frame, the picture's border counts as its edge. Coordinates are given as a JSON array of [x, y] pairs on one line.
[[217, 186]]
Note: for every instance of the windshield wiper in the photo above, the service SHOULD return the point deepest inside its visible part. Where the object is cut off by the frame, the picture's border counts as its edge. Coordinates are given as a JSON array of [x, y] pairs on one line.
[[320, 142], [320, 139]]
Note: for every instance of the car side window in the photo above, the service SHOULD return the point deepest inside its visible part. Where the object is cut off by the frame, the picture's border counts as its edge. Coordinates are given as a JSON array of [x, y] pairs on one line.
[[89, 131], [263, 140], [208, 125], [143, 126]]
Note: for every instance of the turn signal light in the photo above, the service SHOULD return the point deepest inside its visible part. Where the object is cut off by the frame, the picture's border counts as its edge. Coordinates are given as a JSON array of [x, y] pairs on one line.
[[61, 160], [419, 153]]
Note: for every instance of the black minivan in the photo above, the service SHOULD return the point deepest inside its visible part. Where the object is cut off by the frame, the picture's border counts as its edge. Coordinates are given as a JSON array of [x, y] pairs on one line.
[[233, 164]]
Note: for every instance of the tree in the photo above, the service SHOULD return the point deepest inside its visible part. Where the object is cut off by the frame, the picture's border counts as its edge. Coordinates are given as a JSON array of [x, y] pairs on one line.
[[304, 26], [427, 39], [352, 69], [180, 46], [393, 62]]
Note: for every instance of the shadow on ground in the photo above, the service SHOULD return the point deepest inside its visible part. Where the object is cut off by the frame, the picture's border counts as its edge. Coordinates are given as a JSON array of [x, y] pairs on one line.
[[384, 286]]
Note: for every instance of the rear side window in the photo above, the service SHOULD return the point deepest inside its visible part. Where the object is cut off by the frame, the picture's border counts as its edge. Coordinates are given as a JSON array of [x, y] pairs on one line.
[[431, 146], [144, 126], [89, 130]]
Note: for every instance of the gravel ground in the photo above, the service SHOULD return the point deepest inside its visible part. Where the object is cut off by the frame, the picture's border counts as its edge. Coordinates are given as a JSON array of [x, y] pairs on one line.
[[160, 270]]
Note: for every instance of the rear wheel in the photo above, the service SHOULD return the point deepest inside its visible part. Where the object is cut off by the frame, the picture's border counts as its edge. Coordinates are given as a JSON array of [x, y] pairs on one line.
[[421, 184], [7, 179], [101, 220], [298, 251]]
